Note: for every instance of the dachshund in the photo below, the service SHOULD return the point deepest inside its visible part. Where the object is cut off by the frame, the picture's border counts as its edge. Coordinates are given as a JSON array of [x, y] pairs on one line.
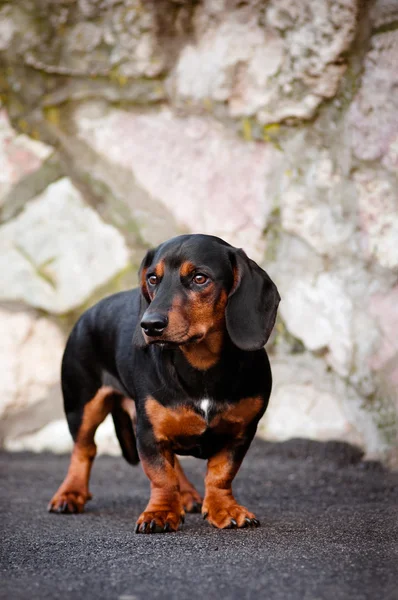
[[180, 364]]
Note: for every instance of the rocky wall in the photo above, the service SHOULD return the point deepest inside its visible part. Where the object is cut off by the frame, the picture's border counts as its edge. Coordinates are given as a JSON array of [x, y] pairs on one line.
[[272, 124]]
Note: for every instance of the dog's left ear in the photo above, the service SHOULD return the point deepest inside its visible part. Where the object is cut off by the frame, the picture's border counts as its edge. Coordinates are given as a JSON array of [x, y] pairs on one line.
[[138, 338], [252, 304]]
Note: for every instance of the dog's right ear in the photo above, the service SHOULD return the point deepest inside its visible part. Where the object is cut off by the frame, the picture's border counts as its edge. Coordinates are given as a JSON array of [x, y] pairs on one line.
[[146, 261], [138, 338]]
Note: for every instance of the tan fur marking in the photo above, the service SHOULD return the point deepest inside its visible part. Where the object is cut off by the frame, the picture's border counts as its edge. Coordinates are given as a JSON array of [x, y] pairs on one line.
[[159, 269], [178, 326], [236, 417], [170, 423], [165, 503], [189, 495], [186, 268], [74, 489], [204, 354], [208, 319], [182, 421], [219, 503], [128, 405]]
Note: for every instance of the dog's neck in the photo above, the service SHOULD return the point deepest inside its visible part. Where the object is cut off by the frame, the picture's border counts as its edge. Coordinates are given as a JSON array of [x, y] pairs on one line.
[[204, 354]]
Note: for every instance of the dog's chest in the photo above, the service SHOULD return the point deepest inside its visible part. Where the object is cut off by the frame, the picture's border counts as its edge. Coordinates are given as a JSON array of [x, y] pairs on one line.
[[184, 424]]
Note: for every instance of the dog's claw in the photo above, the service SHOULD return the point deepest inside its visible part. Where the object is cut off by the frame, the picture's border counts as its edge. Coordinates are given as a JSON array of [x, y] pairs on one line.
[[233, 524], [152, 526], [143, 527], [137, 528], [256, 522], [166, 528], [205, 515], [62, 507]]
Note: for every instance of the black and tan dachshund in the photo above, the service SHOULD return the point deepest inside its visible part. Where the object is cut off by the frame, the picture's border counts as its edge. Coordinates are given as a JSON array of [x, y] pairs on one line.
[[180, 363]]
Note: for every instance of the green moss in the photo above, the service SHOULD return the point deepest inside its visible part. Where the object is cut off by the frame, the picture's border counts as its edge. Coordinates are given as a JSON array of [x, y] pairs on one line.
[[381, 405], [117, 77], [272, 233], [283, 337], [30, 186], [41, 271], [113, 210], [271, 133], [247, 132], [52, 115], [208, 104]]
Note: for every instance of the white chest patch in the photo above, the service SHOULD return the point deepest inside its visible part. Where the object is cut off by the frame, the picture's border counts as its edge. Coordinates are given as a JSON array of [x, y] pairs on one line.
[[205, 405]]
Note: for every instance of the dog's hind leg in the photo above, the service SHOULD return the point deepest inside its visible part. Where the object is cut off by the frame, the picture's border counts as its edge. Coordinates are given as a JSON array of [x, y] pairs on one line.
[[191, 499], [83, 422]]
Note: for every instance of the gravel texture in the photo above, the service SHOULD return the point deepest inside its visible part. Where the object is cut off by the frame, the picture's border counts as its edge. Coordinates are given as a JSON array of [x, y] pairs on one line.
[[329, 531]]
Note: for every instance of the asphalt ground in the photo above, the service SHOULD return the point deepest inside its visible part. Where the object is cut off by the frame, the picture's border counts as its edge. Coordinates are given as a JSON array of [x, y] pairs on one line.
[[329, 531]]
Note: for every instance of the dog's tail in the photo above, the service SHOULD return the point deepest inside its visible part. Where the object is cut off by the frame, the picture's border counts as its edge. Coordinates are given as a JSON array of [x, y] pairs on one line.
[[125, 433]]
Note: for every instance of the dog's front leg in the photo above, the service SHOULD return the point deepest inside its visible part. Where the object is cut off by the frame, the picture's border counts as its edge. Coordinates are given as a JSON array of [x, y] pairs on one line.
[[164, 511], [219, 506]]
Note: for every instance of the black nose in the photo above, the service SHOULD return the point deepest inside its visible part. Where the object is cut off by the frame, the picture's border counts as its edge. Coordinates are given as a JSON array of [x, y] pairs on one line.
[[154, 323]]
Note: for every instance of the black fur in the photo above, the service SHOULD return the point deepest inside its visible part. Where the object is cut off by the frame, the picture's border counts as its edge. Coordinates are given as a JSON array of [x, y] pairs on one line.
[[107, 346]]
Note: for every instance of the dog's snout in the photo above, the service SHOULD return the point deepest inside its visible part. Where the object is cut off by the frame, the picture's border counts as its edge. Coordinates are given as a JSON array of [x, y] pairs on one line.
[[154, 324]]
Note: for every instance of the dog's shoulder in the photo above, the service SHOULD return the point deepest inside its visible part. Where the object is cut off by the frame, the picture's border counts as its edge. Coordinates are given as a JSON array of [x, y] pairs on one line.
[[113, 310], [107, 322]]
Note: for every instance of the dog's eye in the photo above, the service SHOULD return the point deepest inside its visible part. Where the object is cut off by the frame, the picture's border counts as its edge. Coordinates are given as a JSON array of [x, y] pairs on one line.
[[152, 280], [200, 279]]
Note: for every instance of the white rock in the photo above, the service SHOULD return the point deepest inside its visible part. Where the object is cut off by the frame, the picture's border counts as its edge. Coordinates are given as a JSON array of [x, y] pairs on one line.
[[55, 437], [208, 70], [307, 401], [317, 222], [57, 251], [330, 310], [311, 200], [284, 65], [305, 411], [7, 27], [318, 311], [30, 354]]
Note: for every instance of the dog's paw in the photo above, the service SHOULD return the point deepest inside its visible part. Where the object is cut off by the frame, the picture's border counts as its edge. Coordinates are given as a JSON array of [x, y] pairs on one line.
[[191, 501], [230, 516], [158, 521], [68, 502]]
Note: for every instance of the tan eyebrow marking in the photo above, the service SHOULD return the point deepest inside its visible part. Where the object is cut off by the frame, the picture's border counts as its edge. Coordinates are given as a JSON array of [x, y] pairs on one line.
[[186, 268], [159, 269]]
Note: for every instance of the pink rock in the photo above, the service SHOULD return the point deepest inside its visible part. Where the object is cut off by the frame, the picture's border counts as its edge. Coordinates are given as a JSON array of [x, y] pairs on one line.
[[384, 307], [210, 180], [372, 117], [19, 155]]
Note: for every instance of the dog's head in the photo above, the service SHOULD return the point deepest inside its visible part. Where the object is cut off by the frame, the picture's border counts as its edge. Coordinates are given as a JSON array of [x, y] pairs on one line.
[[196, 285]]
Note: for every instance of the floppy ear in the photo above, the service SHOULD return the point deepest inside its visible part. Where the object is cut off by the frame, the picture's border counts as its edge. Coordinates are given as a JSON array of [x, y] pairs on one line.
[[138, 338], [146, 261], [252, 304]]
